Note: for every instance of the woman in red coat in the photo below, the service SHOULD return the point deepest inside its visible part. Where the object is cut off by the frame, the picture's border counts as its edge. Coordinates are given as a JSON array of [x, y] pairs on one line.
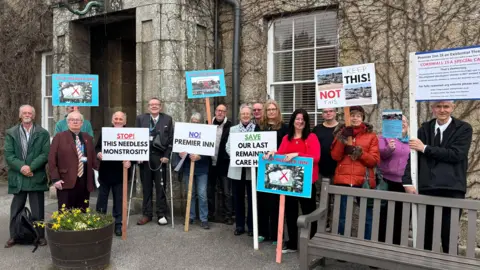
[[299, 142]]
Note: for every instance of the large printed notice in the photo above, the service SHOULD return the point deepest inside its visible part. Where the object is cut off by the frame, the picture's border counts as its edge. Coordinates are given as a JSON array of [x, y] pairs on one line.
[[452, 74]]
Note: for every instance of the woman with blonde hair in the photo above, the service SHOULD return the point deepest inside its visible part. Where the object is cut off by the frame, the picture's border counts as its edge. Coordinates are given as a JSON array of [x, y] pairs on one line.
[[268, 203]]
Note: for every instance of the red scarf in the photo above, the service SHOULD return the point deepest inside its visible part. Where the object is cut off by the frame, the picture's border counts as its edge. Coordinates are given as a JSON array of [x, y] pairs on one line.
[[359, 129]]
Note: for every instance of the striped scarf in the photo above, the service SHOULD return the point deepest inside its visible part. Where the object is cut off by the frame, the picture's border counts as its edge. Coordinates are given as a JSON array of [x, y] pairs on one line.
[[24, 140]]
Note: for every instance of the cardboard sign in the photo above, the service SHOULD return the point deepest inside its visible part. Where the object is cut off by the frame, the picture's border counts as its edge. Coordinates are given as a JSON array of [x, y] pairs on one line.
[[206, 83], [125, 144], [245, 147], [392, 124], [451, 74], [74, 90], [346, 86], [293, 178], [197, 139]]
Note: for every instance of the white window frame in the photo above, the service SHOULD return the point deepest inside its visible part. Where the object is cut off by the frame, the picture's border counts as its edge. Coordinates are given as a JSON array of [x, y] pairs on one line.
[[270, 58], [45, 107]]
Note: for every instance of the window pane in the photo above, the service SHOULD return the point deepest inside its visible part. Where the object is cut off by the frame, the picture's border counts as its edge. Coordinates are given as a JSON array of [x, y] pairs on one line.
[[305, 96], [327, 28], [282, 30], [49, 107], [304, 65], [48, 85], [283, 66], [49, 64], [286, 117], [326, 57], [51, 126], [284, 97], [304, 32]]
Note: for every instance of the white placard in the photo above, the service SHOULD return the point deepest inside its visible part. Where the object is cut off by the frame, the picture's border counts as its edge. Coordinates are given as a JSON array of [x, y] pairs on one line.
[[125, 144], [346, 86], [197, 139], [452, 74], [245, 147]]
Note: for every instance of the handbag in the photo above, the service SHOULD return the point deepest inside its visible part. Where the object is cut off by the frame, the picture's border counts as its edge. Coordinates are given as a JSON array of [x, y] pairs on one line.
[[157, 143], [380, 184]]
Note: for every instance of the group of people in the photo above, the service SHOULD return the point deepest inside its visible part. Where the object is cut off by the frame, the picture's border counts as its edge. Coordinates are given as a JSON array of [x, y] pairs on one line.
[[442, 144]]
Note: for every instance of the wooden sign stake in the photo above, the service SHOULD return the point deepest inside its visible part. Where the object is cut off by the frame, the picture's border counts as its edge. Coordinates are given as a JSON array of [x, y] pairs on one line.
[[124, 202], [281, 212], [209, 116], [346, 112], [189, 196]]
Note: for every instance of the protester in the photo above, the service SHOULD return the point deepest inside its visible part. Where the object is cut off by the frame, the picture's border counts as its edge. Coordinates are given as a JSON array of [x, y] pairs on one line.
[[155, 171], [394, 155], [241, 176], [442, 145], [63, 126], [71, 162], [356, 162], [26, 152], [268, 203], [200, 179], [257, 112], [217, 173], [299, 142], [110, 176]]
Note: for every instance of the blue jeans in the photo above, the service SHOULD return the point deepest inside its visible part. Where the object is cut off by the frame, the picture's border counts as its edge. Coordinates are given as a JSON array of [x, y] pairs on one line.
[[343, 213], [199, 188]]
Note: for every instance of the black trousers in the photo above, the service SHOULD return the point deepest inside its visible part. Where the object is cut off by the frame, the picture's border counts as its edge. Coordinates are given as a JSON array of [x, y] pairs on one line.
[[150, 175], [219, 187], [102, 201], [397, 219], [77, 197], [446, 214], [37, 207], [211, 190], [239, 187], [308, 205], [268, 205]]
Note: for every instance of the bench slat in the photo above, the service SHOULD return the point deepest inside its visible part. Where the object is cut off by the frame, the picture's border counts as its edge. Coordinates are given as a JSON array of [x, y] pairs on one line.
[[361, 218], [421, 226], [375, 219], [405, 224], [454, 231], [336, 214], [472, 233], [348, 217], [437, 224], [390, 218]]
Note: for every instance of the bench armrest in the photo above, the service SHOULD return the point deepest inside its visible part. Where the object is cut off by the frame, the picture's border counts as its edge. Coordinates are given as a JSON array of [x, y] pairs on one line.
[[304, 221]]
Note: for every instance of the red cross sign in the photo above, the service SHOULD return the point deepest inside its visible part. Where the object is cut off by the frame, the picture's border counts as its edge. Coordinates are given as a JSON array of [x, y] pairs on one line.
[[75, 90]]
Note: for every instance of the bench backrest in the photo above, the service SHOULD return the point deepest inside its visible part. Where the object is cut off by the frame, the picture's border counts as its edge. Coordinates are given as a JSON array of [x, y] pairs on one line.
[[470, 208]]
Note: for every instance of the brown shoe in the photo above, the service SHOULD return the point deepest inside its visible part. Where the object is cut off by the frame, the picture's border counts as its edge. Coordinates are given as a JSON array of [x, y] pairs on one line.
[[42, 242], [143, 220], [10, 243]]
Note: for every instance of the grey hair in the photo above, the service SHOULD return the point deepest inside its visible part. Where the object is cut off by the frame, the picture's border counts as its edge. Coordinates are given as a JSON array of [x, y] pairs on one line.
[[124, 115], [81, 115], [197, 116], [24, 106], [243, 106]]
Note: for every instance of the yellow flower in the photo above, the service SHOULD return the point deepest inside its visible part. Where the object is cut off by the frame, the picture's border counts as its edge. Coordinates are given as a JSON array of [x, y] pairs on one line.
[[34, 225], [63, 206], [88, 210], [86, 201], [56, 226], [58, 219], [69, 221], [55, 214], [89, 222]]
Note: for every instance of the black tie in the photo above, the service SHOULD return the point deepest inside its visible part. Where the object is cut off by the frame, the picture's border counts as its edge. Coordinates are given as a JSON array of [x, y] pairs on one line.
[[436, 140]]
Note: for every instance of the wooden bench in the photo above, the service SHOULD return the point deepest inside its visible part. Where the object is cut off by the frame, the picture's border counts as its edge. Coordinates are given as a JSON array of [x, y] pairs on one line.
[[386, 255]]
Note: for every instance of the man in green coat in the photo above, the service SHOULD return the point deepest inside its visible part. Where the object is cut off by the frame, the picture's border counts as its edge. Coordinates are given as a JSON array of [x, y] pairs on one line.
[[62, 125], [26, 153]]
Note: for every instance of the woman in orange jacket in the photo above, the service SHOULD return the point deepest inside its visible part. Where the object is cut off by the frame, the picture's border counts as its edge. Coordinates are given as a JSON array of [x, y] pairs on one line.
[[356, 162]]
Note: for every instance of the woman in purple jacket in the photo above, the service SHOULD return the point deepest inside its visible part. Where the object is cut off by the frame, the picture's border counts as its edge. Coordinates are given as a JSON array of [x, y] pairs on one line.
[[394, 155]]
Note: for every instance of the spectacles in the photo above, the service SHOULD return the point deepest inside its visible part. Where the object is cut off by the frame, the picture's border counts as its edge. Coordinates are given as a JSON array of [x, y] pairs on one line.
[[154, 105], [74, 120], [272, 110], [257, 110], [329, 111], [221, 111]]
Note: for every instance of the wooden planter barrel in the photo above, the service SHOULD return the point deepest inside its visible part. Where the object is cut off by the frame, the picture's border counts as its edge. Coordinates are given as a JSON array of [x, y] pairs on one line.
[[81, 249]]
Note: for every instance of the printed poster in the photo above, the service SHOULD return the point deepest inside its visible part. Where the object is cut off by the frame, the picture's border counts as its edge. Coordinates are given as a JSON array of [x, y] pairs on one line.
[[206, 83], [293, 178], [392, 124], [346, 86], [193, 138], [246, 146], [74, 90], [125, 144]]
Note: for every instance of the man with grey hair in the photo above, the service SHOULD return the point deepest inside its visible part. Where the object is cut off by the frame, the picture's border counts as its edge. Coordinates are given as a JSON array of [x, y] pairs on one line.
[[442, 145], [257, 112], [62, 125], [26, 151]]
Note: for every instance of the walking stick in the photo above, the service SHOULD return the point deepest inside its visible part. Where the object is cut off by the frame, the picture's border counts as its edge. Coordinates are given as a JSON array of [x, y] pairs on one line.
[[131, 191]]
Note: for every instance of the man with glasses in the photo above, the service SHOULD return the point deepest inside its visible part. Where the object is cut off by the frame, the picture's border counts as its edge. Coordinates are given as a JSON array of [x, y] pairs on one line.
[[71, 162], [63, 126], [218, 170], [257, 112], [155, 171]]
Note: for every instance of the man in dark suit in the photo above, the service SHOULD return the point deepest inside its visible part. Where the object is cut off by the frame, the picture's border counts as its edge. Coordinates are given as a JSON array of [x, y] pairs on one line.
[[442, 145], [155, 171], [71, 162]]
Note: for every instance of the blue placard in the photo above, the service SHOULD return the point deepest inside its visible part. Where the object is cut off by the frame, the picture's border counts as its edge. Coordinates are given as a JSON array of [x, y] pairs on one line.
[[206, 83], [293, 178], [392, 124], [74, 90]]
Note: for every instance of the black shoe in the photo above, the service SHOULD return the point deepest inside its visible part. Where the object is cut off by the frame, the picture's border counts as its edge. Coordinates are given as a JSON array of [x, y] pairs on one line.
[[228, 221], [118, 231], [205, 225], [239, 232]]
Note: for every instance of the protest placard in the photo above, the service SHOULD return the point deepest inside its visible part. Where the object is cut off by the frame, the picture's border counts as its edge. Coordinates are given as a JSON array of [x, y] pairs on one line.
[[245, 147], [125, 144], [195, 139], [74, 90], [205, 83], [450, 74], [346, 86], [392, 124]]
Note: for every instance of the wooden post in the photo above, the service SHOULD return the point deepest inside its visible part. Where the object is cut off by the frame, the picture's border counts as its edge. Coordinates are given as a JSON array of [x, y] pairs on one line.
[[124, 202], [209, 115], [189, 196], [281, 212], [346, 113], [254, 208]]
